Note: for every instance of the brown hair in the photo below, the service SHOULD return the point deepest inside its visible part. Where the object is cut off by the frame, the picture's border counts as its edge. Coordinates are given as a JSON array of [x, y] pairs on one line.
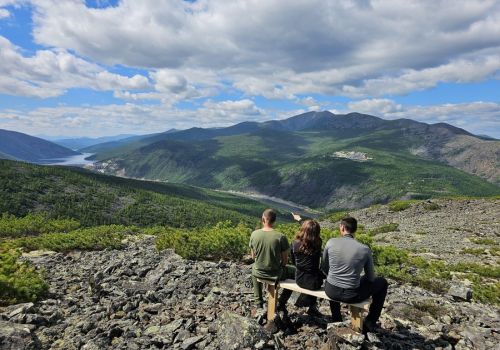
[[309, 238], [269, 215]]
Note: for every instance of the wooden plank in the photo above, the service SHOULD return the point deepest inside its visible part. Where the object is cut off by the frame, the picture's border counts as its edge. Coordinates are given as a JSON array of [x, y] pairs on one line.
[[356, 318], [291, 285], [272, 299]]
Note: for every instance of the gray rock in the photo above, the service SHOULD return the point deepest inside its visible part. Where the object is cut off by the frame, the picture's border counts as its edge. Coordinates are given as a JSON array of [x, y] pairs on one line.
[[341, 335], [236, 332], [21, 309], [15, 336], [460, 292], [154, 276], [189, 343]]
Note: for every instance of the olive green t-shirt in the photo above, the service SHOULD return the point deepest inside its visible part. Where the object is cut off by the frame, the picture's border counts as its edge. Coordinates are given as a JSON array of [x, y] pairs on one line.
[[268, 246]]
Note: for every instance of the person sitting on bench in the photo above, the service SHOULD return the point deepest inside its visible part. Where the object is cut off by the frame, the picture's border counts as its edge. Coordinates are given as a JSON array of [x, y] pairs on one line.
[[270, 250], [306, 254], [344, 259]]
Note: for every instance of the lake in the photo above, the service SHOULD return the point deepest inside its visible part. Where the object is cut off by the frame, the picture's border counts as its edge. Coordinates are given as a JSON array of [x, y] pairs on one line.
[[78, 160]]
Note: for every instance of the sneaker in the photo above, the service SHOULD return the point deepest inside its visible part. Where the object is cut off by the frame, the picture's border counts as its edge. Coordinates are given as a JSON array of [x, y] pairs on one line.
[[313, 311]]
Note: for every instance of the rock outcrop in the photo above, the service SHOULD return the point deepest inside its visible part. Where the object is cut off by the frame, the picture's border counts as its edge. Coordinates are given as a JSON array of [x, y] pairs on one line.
[[138, 298]]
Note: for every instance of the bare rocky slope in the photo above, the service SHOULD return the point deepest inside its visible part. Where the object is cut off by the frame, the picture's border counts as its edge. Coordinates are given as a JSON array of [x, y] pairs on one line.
[[443, 229], [139, 298]]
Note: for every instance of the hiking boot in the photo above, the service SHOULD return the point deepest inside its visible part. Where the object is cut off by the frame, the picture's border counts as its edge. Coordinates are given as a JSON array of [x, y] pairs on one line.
[[260, 315], [314, 312], [271, 327], [369, 326]]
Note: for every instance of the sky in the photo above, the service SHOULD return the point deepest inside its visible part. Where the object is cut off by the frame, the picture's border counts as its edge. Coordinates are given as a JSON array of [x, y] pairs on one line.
[[71, 68]]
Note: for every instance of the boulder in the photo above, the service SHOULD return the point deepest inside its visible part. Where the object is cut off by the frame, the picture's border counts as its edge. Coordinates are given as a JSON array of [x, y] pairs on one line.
[[17, 336], [237, 332], [342, 336], [460, 292]]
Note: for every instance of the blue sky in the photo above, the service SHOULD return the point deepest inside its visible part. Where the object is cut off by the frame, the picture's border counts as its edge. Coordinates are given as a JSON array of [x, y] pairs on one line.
[[95, 68]]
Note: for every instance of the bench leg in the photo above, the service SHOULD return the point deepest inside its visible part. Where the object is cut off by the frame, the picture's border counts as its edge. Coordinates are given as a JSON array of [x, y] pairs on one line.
[[357, 318], [272, 300]]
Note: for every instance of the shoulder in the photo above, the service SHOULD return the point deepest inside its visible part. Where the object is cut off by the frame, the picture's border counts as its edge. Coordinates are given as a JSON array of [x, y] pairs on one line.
[[256, 233], [363, 247]]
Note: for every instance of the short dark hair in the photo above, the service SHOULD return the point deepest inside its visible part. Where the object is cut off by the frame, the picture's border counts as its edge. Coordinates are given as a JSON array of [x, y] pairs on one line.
[[269, 215], [350, 224]]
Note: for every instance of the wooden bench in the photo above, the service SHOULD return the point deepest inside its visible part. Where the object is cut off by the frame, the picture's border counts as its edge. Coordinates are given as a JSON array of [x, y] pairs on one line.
[[356, 309]]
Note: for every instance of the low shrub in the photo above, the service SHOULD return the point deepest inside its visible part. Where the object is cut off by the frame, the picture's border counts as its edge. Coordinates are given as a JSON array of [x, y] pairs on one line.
[[33, 224], [431, 206], [223, 241], [485, 241], [391, 227], [95, 238], [400, 205], [474, 251], [19, 281], [336, 217]]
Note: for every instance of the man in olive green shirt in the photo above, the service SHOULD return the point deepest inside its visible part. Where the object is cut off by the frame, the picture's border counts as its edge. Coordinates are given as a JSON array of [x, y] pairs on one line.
[[270, 250]]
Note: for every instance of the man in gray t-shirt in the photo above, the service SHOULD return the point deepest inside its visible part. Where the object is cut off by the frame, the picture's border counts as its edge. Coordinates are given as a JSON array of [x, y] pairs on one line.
[[344, 259]]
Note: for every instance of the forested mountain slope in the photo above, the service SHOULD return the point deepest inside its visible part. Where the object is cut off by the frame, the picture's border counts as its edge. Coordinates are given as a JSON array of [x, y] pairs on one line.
[[318, 159], [95, 199], [16, 145]]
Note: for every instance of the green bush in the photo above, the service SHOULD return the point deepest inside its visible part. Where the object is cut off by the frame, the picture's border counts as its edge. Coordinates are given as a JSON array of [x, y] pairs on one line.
[[223, 241], [95, 238], [19, 281], [336, 217], [399, 205], [431, 206], [474, 251], [33, 224], [486, 292], [391, 227], [485, 241]]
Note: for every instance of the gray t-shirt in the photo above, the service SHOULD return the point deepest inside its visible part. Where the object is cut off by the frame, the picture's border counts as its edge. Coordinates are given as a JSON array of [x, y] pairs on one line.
[[344, 259]]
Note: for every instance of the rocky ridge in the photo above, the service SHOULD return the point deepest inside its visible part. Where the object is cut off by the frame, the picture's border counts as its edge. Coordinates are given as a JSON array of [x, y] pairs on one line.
[[138, 298], [440, 228]]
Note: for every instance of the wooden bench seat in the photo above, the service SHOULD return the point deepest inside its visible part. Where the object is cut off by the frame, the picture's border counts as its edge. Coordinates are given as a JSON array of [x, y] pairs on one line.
[[356, 309]]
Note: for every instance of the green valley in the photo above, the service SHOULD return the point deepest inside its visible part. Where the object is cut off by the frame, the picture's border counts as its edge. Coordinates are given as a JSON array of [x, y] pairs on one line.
[[312, 159]]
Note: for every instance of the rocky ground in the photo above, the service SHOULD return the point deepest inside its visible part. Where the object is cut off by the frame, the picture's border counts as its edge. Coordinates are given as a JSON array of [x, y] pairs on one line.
[[441, 229], [137, 298]]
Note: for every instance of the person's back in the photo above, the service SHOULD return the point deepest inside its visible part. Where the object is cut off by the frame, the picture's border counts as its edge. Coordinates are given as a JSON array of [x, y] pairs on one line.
[[347, 258], [344, 259], [268, 246], [270, 250]]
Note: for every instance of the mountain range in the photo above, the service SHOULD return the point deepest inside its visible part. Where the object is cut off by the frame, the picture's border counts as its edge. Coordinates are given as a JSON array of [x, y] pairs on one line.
[[83, 142], [318, 159], [16, 145]]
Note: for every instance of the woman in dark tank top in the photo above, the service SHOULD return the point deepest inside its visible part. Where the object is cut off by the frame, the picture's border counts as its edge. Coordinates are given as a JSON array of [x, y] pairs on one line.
[[306, 254]]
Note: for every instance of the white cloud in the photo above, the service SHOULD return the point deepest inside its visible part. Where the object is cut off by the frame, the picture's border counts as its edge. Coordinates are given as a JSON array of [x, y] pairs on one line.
[[4, 13], [50, 73], [128, 118], [375, 106], [354, 48]]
